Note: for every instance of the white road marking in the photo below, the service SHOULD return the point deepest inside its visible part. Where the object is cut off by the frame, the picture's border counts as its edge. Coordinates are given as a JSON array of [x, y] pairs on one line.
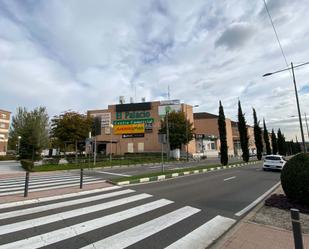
[[230, 178], [140, 232], [57, 197], [33, 210], [254, 203], [71, 231], [37, 177], [49, 188], [111, 173], [14, 227], [204, 235], [36, 183]]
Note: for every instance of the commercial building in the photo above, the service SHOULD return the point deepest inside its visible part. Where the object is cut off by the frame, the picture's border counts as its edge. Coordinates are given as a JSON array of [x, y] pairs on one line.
[[207, 134], [4, 130], [134, 127]]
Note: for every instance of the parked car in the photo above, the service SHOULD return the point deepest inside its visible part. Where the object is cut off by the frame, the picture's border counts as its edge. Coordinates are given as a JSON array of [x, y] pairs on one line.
[[274, 162]]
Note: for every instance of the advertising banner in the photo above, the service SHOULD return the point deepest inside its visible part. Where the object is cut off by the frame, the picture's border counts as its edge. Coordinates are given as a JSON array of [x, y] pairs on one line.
[[129, 129], [163, 109], [134, 121], [133, 135], [105, 119]]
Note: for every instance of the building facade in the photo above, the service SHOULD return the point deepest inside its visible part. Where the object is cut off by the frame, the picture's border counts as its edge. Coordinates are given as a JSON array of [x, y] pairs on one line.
[[207, 134], [4, 130], [134, 127]]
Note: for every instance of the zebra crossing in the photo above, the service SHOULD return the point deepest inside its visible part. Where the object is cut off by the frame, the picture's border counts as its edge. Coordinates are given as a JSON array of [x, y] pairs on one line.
[[113, 217], [15, 185]]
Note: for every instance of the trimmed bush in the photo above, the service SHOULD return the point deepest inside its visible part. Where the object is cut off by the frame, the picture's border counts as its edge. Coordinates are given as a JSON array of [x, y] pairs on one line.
[[27, 164], [7, 158], [295, 178]]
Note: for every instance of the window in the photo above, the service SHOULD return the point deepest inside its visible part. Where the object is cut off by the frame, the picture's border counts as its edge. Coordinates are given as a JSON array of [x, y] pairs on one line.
[[3, 115], [275, 158], [130, 148], [2, 125], [140, 147]]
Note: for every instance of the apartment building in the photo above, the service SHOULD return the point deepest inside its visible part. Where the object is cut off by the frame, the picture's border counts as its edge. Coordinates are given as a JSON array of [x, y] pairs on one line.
[[4, 130]]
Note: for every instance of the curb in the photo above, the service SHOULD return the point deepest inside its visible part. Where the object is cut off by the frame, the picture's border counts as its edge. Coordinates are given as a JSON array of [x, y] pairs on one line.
[[184, 173], [217, 244]]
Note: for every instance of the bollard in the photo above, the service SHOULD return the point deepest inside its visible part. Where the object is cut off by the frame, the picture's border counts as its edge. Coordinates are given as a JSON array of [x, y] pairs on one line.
[[298, 240], [81, 178], [26, 184]]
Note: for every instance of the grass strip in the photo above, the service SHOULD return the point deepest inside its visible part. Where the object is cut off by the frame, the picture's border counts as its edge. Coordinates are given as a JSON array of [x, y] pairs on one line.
[[107, 163], [168, 173]]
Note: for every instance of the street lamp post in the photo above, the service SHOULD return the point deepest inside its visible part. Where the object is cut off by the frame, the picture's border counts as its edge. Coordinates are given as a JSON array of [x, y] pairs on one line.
[[307, 125], [19, 137], [111, 142], [296, 95]]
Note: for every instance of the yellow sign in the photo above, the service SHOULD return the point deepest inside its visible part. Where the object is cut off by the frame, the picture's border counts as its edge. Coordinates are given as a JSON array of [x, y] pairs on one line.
[[129, 129]]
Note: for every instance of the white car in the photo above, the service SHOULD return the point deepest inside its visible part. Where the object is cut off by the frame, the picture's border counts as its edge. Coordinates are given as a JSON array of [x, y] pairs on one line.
[[274, 162]]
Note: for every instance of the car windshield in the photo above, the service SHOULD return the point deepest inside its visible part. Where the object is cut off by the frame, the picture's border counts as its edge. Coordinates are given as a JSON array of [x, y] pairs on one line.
[[272, 158]]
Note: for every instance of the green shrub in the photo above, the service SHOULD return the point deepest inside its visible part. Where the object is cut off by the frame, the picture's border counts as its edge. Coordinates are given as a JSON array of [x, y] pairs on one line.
[[7, 157], [51, 160], [295, 178], [27, 164]]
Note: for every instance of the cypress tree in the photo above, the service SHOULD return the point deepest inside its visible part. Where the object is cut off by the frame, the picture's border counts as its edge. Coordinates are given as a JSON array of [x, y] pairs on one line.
[[281, 143], [222, 134], [257, 136], [243, 134], [266, 139], [274, 142]]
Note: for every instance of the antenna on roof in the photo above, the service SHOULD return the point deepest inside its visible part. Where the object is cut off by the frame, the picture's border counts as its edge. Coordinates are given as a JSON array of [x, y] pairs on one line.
[[168, 92]]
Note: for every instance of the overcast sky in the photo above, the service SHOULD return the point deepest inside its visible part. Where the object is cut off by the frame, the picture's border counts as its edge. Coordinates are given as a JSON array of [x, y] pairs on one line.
[[84, 54]]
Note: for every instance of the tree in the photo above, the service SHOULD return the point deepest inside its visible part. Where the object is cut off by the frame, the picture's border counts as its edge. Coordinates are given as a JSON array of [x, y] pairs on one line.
[[222, 134], [70, 128], [243, 134], [274, 142], [180, 129], [281, 143], [266, 139], [257, 136], [32, 128]]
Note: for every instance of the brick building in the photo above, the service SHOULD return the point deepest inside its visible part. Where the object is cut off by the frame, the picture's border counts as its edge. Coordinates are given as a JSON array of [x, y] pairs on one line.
[[4, 130]]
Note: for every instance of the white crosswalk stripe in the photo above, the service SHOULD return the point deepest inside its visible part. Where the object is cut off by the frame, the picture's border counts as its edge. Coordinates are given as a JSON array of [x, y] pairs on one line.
[[69, 214], [33, 210], [13, 186], [203, 236], [46, 221], [135, 234]]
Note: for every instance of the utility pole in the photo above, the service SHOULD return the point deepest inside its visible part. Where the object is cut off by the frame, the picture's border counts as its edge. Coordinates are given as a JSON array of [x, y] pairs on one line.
[[298, 109], [307, 125], [167, 135]]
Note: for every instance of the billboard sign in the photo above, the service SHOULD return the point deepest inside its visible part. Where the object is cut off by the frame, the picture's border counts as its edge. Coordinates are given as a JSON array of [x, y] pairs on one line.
[[129, 129], [105, 119], [133, 135], [135, 121], [170, 102], [163, 109]]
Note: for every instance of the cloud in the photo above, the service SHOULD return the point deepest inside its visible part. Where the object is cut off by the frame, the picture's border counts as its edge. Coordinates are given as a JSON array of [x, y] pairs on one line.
[[82, 55], [236, 36]]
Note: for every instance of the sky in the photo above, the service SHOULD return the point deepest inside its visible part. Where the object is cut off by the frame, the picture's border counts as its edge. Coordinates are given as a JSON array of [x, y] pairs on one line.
[[81, 55]]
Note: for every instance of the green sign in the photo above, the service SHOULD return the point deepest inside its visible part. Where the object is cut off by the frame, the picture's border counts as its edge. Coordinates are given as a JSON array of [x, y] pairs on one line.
[[135, 121], [132, 115]]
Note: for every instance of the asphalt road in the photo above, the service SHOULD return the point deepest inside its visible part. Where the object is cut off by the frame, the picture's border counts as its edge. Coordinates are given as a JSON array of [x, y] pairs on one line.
[[109, 173], [223, 193], [196, 199]]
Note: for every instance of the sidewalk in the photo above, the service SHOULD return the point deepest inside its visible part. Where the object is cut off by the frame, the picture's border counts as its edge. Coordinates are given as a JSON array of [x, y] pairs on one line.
[[250, 235]]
